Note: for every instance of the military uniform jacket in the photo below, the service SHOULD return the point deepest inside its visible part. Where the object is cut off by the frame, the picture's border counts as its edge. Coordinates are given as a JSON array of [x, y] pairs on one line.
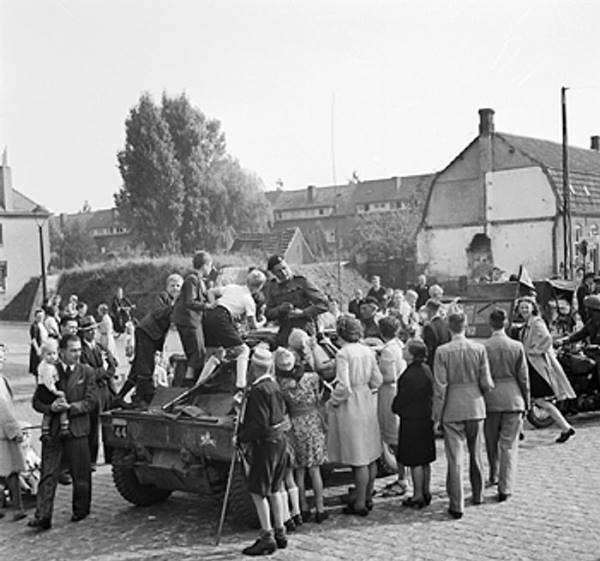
[[80, 391], [300, 293]]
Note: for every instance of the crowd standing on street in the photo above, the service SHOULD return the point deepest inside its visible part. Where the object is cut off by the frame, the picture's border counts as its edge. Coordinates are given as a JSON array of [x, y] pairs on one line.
[[401, 371]]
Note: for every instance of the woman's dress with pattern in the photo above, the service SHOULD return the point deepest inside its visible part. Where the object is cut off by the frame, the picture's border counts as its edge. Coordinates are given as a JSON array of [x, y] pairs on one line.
[[307, 435]]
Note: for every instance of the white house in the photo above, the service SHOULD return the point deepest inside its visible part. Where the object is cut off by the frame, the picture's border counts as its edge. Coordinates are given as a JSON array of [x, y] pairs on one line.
[[499, 204], [20, 217]]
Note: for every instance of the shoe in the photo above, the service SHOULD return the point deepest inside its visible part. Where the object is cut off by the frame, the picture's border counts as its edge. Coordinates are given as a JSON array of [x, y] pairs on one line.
[[564, 436], [321, 516], [78, 517], [427, 497], [19, 515], [414, 503], [280, 538], [351, 509], [491, 482], [297, 520], [306, 515], [502, 496], [289, 525], [477, 502], [455, 514], [40, 524], [65, 479], [521, 436], [265, 545], [395, 489], [369, 504]]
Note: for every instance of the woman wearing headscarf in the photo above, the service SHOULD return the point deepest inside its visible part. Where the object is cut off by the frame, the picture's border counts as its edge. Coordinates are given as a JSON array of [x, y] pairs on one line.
[[354, 437], [547, 378]]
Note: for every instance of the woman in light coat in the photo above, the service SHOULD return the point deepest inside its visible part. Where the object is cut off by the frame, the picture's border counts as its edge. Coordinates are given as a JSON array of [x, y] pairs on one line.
[[548, 379], [353, 429], [11, 436]]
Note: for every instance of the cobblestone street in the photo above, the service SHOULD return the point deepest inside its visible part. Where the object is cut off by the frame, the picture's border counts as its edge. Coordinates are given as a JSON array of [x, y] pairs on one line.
[[552, 516]]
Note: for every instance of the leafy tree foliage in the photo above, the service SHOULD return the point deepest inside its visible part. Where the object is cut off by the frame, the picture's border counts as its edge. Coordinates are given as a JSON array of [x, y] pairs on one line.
[[71, 245], [176, 172], [385, 235], [151, 199]]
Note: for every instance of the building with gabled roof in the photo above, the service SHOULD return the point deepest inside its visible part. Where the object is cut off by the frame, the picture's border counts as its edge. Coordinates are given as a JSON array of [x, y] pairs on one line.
[[289, 243], [21, 221], [321, 211], [499, 204]]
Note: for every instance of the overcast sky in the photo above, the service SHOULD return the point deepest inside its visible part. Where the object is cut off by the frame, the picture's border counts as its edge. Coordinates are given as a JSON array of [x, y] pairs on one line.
[[404, 80]]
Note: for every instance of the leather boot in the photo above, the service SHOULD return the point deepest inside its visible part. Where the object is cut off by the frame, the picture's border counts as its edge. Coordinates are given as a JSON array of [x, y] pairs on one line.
[[264, 545], [281, 538]]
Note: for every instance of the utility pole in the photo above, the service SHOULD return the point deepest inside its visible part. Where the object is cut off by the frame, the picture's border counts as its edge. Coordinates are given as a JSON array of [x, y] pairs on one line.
[[567, 241], [336, 206]]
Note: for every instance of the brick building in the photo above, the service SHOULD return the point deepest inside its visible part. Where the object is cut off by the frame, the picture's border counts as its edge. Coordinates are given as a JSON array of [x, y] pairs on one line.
[[499, 203]]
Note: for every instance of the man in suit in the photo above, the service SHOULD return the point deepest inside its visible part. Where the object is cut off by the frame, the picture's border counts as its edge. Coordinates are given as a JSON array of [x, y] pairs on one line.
[[461, 377], [354, 304], [104, 365], [435, 330], [505, 404], [188, 311], [79, 384]]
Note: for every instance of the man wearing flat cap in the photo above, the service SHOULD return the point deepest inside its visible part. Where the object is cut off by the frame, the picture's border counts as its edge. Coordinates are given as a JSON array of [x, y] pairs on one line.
[[104, 364], [292, 300]]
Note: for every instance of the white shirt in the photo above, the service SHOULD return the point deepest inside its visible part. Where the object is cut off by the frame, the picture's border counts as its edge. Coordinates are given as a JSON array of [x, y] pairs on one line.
[[238, 300]]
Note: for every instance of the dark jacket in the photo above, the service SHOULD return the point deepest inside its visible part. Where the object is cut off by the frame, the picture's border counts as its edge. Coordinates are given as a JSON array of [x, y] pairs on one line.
[[191, 302], [157, 321], [298, 292], [435, 333], [93, 357], [80, 391], [414, 396], [590, 331], [265, 410]]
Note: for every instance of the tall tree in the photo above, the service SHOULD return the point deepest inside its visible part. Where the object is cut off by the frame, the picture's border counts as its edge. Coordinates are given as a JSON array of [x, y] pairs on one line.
[[151, 199], [385, 235], [71, 245]]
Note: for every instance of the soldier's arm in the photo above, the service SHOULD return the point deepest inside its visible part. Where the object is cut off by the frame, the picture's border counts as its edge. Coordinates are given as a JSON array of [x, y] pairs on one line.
[[318, 301], [523, 376]]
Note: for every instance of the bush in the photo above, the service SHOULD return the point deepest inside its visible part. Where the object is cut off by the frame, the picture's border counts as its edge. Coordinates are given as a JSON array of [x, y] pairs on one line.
[[143, 278]]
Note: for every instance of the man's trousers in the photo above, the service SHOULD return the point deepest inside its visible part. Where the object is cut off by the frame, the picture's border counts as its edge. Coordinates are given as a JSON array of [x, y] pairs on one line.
[[456, 434], [502, 431], [75, 454]]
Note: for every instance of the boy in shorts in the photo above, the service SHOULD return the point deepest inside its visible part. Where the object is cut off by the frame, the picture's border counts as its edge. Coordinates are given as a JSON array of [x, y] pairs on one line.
[[263, 428]]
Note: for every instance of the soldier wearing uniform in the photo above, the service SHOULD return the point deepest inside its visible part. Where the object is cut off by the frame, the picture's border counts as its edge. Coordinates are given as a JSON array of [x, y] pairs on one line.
[[292, 300]]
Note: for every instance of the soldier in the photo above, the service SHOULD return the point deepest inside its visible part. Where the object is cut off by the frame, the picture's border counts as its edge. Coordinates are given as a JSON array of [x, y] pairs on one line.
[[292, 300]]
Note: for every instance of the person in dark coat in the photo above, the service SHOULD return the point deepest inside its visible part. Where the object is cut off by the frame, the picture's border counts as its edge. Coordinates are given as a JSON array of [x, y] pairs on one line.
[[413, 404], [38, 335], [104, 365], [188, 312], [79, 384], [263, 428], [354, 304], [586, 288], [422, 290], [378, 292], [150, 335], [292, 300], [435, 331]]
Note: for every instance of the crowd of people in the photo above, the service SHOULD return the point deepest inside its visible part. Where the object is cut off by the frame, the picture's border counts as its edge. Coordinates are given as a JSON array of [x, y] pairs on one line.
[[402, 370]]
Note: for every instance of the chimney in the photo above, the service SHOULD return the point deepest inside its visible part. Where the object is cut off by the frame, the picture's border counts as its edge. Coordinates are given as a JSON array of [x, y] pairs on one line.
[[595, 143], [486, 122], [6, 194], [310, 194]]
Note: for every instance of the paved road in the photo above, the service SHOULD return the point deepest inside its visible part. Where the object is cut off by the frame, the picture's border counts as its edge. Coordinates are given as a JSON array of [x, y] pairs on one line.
[[553, 516]]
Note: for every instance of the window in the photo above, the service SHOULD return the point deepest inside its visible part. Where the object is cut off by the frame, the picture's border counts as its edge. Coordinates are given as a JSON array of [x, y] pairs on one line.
[[321, 211], [1, 235], [578, 232], [3, 275], [594, 230]]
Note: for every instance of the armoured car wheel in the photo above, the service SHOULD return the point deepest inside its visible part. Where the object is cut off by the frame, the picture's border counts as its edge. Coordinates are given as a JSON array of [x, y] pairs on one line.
[[241, 506], [538, 417], [128, 485]]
